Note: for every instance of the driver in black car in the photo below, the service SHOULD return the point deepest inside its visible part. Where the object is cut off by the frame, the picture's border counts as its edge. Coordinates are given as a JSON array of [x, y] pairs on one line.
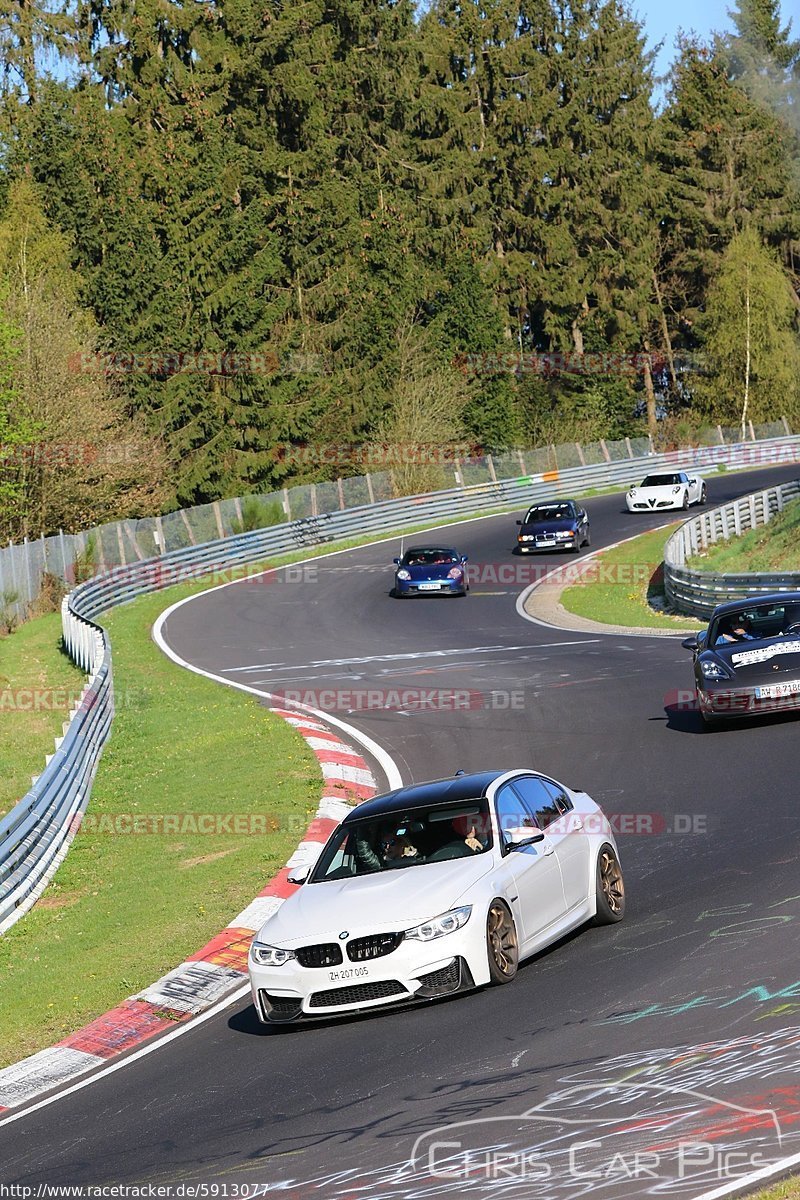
[[791, 621], [738, 630]]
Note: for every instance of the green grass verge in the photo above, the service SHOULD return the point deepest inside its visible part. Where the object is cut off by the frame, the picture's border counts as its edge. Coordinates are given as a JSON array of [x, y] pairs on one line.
[[788, 1190], [124, 908], [38, 686], [772, 547], [627, 588]]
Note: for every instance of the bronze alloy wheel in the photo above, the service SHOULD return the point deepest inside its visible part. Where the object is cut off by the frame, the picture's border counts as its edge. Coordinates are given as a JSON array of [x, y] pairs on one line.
[[610, 887], [502, 944]]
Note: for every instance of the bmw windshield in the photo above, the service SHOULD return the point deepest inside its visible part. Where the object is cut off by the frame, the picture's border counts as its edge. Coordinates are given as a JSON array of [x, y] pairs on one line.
[[395, 841]]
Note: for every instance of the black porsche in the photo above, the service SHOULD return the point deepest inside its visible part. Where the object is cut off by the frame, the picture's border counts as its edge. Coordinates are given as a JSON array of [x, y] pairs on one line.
[[748, 660], [559, 525]]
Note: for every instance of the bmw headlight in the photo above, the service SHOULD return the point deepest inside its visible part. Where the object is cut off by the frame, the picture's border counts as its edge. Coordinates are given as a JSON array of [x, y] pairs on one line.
[[525, 537], [269, 956], [438, 927], [713, 670], [570, 533], [403, 574]]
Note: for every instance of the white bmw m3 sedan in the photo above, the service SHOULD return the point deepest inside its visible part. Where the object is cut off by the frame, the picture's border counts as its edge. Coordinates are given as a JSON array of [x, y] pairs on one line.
[[434, 889]]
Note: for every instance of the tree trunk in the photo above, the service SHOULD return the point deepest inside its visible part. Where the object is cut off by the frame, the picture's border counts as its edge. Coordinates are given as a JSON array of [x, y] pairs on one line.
[[649, 391], [662, 319], [746, 356]]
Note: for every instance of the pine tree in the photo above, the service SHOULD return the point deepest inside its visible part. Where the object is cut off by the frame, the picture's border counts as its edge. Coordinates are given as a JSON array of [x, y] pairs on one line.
[[727, 161], [31, 33], [91, 461], [751, 343]]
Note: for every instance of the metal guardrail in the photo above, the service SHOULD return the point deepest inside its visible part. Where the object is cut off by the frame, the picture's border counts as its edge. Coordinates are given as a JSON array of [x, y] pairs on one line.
[[697, 592], [35, 835]]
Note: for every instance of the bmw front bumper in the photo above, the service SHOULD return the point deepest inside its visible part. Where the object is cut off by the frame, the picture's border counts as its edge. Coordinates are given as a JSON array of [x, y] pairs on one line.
[[414, 971]]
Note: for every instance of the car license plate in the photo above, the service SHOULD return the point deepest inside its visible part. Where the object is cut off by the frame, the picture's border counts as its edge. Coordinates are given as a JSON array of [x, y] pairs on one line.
[[776, 690], [348, 973], [429, 587], [546, 542]]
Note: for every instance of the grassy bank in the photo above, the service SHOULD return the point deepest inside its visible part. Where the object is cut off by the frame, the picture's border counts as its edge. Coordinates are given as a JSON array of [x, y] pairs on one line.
[[788, 1190], [772, 547], [627, 588], [38, 687], [126, 907]]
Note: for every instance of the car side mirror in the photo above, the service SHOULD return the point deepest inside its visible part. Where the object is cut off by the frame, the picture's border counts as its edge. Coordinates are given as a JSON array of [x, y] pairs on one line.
[[691, 643], [299, 874], [464, 558], [519, 522], [396, 562], [581, 514], [518, 839]]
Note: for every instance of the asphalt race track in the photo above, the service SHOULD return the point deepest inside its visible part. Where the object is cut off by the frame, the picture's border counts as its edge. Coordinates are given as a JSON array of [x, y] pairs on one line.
[[657, 1057]]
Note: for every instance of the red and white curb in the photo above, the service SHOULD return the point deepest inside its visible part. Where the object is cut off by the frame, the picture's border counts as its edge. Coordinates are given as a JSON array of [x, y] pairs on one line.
[[217, 970]]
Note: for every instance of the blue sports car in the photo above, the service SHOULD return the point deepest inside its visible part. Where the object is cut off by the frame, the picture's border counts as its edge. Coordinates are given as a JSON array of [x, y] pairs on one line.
[[431, 570]]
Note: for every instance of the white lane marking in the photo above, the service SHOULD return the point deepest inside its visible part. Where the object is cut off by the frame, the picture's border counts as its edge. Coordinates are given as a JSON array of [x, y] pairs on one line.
[[257, 667], [218, 1008], [517, 1057], [415, 655]]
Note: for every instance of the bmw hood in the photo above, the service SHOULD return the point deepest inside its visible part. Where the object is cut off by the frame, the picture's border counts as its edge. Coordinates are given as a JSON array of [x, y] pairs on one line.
[[564, 525], [385, 902]]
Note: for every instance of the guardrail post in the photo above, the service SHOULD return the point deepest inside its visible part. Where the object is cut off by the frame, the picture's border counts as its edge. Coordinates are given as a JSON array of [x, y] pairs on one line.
[[370, 490], [28, 570], [218, 518]]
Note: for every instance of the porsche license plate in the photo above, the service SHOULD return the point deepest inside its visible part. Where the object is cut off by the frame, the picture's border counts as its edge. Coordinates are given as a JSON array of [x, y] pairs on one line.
[[430, 587], [775, 690]]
